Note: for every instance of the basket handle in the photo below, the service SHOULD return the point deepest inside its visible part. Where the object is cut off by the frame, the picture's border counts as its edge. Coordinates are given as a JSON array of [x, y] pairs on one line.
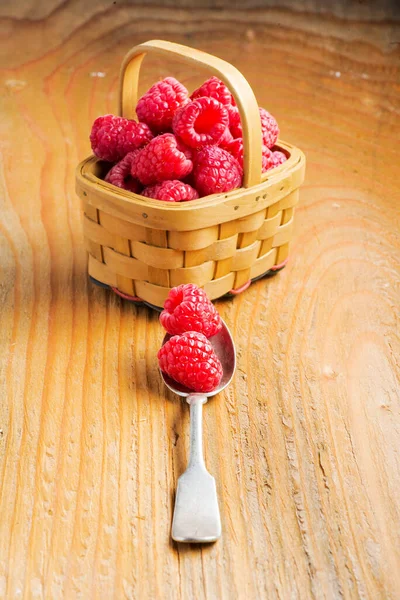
[[236, 82]]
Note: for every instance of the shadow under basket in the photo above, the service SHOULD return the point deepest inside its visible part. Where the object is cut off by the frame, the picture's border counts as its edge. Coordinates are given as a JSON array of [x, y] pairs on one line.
[[141, 247]]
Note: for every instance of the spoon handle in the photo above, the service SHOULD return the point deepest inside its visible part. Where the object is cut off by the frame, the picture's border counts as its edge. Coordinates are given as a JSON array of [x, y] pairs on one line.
[[196, 514], [196, 402]]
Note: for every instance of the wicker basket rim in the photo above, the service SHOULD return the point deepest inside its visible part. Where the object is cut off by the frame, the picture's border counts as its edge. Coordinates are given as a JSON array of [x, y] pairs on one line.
[[89, 181]]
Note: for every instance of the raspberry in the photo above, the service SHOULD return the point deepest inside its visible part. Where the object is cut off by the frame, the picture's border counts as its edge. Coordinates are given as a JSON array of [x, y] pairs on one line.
[[171, 191], [215, 170], [269, 126], [188, 308], [188, 152], [191, 361], [270, 129], [163, 158], [235, 147], [120, 174], [159, 104], [278, 158], [226, 138], [214, 88], [201, 122], [113, 137], [274, 159], [235, 125]]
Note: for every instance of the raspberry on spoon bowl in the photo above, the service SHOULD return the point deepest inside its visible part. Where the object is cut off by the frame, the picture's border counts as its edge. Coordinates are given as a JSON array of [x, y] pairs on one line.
[[188, 308], [190, 360], [221, 345]]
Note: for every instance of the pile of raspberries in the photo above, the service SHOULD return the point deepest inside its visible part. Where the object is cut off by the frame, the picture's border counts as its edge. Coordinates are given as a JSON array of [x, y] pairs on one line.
[[188, 356], [183, 147]]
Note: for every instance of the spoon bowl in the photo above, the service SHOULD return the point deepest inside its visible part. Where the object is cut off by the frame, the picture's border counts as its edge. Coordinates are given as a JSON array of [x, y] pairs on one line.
[[224, 348], [196, 514]]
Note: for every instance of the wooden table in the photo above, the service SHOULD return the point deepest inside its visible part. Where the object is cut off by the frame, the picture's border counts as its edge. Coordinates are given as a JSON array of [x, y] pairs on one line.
[[305, 444]]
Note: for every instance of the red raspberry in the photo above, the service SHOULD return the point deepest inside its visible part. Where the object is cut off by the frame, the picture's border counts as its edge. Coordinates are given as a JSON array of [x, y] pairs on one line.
[[214, 88], [270, 129], [191, 361], [278, 158], [113, 137], [188, 152], [171, 191], [120, 174], [235, 125], [201, 122], [159, 104], [269, 126], [226, 138], [274, 159], [163, 158], [235, 147], [215, 170], [188, 308]]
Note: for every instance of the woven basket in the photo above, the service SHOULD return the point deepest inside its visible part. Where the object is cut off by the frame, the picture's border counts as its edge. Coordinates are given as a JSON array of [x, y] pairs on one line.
[[142, 247]]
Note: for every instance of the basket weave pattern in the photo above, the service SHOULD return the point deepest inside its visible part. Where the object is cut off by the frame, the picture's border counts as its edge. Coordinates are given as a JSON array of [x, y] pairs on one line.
[[144, 247], [139, 260]]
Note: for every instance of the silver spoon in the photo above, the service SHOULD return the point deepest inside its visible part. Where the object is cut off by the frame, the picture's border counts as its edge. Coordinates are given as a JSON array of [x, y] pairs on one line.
[[196, 513]]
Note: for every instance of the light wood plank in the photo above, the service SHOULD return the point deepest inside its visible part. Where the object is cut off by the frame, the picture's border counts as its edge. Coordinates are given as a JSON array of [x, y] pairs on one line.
[[304, 443]]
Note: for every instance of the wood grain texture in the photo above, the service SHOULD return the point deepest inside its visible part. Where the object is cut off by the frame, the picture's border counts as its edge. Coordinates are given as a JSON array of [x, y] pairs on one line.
[[345, 9], [305, 443]]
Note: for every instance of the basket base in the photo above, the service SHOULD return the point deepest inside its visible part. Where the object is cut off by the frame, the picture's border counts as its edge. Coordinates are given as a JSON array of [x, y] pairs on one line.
[[139, 301]]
